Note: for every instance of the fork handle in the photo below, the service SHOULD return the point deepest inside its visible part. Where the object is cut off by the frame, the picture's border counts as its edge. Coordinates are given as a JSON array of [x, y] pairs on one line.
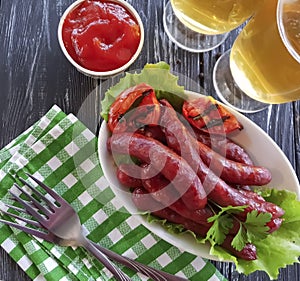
[[154, 274], [117, 273]]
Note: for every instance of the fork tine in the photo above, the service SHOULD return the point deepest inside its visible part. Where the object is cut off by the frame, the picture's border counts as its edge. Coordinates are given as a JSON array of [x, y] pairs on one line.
[[29, 221], [29, 230], [40, 195], [57, 197], [35, 202], [26, 205], [20, 210]]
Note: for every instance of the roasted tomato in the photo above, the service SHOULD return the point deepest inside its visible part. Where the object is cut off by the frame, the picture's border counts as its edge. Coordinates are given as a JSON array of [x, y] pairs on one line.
[[144, 104], [148, 110], [208, 115]]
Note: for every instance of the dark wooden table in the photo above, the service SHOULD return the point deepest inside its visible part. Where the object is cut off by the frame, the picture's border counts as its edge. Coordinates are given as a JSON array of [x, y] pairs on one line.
[[34, 75]]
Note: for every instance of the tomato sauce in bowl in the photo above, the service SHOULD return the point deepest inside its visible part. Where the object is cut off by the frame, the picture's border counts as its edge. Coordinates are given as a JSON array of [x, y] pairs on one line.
[[101, 35]]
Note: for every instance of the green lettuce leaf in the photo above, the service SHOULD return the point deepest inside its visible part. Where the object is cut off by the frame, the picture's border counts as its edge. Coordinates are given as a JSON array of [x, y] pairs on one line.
[[282, 247], [156, 75]]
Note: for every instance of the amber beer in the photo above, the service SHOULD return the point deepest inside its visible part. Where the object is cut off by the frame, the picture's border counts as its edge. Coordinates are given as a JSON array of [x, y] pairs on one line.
[[261, 63], [214, 16]]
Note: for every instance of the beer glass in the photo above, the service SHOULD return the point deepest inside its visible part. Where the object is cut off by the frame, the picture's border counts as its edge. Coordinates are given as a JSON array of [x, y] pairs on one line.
[[263, 66], [202, 25]]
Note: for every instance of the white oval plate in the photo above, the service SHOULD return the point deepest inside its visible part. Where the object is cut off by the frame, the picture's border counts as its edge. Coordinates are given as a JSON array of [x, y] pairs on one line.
[[262, 149]]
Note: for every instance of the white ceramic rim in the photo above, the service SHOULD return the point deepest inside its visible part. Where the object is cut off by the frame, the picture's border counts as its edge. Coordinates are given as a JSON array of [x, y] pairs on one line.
[[282, 32], [92, 73]]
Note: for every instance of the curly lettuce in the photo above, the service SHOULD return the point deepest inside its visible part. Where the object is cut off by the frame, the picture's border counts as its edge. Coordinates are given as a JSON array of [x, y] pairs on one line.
[[156, 75]]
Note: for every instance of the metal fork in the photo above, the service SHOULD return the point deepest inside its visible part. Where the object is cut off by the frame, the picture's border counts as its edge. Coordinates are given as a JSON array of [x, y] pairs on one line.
[[48, 235], [62, 220]]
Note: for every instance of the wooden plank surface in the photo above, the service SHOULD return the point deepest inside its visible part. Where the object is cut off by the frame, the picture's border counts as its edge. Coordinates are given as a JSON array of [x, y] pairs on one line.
[[34, 75]]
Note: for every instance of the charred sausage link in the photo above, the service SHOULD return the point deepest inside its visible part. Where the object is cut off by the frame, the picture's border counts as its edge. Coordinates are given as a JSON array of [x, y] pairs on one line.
[[234, 172], [217, 190], [178, 136], [275, 223], [247, 253], [225, 195], [252, 194], [144, 202], [163, 159], [161, 190], [127, 176], [158, 186], [154, 132], [222, 144]]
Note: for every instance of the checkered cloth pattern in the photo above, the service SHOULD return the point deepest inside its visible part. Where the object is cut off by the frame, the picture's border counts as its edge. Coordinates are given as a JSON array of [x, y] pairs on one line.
[[62, 152]]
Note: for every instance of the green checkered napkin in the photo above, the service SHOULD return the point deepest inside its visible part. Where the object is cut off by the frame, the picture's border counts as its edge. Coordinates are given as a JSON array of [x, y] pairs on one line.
[[62, 152]]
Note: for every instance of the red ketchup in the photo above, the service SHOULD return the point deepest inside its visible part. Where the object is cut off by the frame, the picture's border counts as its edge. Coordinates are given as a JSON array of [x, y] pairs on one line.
[[100, 35]]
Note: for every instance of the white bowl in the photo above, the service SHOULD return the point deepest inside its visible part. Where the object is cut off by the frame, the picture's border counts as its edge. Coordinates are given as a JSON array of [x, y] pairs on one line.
[[101, 74], [262, 149]]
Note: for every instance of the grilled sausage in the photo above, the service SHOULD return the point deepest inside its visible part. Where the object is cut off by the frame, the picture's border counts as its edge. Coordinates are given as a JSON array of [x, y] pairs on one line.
[[234, 172], [164, 160], [225, 146], [126, 176], [161, 190]]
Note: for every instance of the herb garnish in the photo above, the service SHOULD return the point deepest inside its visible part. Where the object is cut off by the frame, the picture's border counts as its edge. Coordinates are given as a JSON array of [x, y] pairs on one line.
[[252, 229]]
